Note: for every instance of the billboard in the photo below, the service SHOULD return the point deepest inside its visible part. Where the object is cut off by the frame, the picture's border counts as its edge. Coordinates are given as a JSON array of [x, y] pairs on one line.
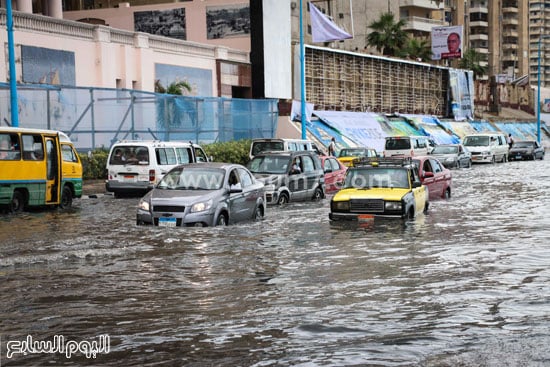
[[447, 42]]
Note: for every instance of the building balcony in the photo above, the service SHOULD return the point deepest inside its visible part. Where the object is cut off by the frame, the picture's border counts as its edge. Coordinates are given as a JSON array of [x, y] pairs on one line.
[[479, 23], [421, 24], [479, 9], [510, 21], [424, 4], [510, 10], [509, 46], [481, 50], [510, 33], [479, 37]]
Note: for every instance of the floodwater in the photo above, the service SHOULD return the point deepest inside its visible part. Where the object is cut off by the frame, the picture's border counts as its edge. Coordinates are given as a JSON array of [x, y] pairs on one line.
[[465, 285]]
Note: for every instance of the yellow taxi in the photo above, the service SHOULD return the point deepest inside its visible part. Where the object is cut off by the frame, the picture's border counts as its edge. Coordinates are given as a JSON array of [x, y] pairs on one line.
[[380, 187], [348, 155]]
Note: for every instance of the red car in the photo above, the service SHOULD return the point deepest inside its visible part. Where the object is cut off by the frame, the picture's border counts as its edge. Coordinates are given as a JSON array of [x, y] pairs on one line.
[[335, 173], [434, 176]]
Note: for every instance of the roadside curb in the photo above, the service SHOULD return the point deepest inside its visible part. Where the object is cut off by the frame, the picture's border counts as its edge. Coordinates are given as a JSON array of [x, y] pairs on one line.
[[96, 196]]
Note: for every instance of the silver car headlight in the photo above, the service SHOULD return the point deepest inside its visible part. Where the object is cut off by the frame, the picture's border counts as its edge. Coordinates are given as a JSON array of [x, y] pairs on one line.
[[202, 206], [269, 188], [393, 205], [450, 159], [144, 205]]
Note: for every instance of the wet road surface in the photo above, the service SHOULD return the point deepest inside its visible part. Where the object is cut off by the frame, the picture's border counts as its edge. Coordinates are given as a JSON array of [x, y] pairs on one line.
[[465, 285]]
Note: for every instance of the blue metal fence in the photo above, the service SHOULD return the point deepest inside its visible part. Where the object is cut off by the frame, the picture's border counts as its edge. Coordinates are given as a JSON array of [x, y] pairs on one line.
[[97, 117]]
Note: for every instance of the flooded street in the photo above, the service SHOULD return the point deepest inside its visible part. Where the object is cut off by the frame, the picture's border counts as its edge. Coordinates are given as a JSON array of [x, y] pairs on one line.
[[465, 285]]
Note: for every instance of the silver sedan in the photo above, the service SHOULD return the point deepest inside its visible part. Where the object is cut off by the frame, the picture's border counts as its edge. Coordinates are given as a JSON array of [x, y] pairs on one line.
[[203, 194], [452, 155]]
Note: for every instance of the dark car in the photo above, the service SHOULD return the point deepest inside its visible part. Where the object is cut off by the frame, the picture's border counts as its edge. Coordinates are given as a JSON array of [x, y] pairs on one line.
[[289, 176], [452, 155], [203, 194], [526, 149], [434, 176]]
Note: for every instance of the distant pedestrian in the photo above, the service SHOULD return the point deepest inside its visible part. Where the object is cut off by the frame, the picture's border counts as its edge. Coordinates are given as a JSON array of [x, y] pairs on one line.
[[332, 147], [510, 141]]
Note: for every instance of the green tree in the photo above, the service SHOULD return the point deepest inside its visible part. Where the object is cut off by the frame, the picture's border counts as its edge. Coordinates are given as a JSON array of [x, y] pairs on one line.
[[176, 87], [471, 60], [417, 49], [387, 36]]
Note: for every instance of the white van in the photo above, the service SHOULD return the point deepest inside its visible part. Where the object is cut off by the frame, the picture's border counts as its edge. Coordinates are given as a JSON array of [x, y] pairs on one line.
[[273, 145], [406, 146], [487, 147], [134, 165]]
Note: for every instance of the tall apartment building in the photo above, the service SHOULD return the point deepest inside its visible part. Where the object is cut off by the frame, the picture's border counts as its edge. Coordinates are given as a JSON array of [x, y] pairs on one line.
[[539, 30]]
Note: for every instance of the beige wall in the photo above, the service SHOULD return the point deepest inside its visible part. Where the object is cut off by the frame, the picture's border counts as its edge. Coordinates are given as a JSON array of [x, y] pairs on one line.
[[195, 17], [103, 54]]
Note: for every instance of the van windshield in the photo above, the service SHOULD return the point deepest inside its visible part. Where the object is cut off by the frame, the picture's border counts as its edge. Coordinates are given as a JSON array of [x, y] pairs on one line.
[[398, 143], [266, 146], [129, 154], [476, 141]]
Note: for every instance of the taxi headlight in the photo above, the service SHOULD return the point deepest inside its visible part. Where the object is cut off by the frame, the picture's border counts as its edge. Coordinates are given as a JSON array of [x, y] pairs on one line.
[[393, 205], [202, 206], [341, 205], [144, 205], [486, 153]]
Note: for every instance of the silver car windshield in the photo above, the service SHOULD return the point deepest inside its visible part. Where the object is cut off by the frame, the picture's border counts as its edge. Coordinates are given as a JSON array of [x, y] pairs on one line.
[[192, 179], [269, 164], [445, 150]]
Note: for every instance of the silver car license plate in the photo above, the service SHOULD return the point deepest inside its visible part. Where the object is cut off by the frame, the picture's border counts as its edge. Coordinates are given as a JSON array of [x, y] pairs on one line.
[[167, 222]]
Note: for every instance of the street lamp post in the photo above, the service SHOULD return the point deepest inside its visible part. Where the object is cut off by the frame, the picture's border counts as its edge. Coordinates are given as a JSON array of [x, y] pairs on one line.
[[11, 52], [541, 37]]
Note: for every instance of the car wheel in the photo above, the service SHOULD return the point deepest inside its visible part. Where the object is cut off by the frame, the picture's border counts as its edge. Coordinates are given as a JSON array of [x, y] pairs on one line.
[[426, 207], [542, 157], [17, 203], [410, 213], [283, 199], [493, 160], [469, 163], [447, 193], [318, 194], [222, 220], [258, 213], [66, 198]]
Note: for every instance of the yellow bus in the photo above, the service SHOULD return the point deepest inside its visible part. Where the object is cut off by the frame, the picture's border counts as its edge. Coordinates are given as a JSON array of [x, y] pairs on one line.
[[38, 168]]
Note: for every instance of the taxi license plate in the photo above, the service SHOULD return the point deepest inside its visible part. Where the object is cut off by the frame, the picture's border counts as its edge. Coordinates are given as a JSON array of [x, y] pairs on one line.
[[365, 217], [167, 222]]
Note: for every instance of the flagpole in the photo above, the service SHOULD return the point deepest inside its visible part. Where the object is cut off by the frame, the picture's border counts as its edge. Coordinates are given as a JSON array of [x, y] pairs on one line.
[[303, 118]]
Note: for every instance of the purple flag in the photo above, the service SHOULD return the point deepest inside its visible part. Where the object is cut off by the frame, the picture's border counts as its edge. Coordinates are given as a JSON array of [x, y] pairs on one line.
[[323, 29]]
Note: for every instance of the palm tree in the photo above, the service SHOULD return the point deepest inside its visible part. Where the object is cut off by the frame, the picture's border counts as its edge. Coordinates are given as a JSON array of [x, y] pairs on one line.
[[471, 60], [176, 87], [417, 49], [388, 36]]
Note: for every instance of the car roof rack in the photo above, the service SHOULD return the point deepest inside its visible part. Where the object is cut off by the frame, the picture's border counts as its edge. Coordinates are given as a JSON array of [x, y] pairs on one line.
[[383, 161]]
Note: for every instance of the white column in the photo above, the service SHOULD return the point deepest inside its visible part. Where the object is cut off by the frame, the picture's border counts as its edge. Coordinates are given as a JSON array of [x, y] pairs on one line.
[[55, 9], [24, 6]]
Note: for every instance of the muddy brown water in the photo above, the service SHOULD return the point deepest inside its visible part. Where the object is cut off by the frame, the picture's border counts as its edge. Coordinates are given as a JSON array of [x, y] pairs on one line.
[[465, 285]]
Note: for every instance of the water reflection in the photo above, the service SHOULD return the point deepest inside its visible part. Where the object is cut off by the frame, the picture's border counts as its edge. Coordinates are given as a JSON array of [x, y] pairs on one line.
[[464, 285]]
